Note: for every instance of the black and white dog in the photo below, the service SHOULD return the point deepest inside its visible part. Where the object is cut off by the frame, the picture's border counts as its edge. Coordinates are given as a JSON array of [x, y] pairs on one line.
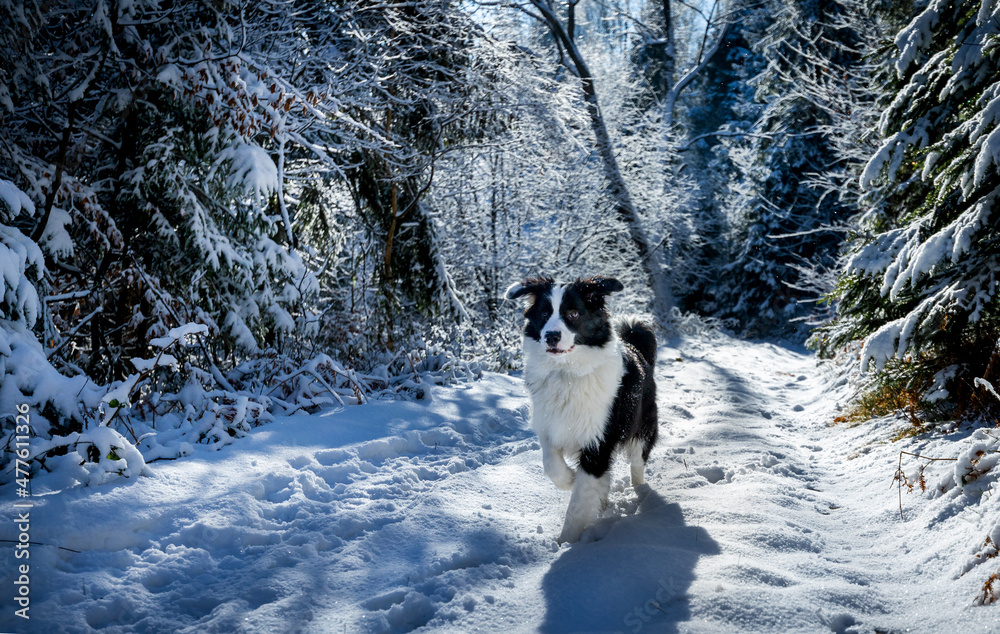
[[592, 389]]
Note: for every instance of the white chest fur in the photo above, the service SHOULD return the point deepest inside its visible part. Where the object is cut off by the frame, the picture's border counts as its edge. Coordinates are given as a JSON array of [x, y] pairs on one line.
[[571, 396]]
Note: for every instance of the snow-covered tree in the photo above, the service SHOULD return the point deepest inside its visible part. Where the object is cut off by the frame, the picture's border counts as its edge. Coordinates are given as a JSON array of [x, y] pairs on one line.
[[920, 285], [560, 21], [256, 170], [534, 199], [155, 150], [718, 112], [780, 220], [175, 162], [22, 268]]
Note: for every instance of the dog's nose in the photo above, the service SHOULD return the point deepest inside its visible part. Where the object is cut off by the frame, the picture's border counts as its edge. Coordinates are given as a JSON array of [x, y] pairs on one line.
[[552, 338]]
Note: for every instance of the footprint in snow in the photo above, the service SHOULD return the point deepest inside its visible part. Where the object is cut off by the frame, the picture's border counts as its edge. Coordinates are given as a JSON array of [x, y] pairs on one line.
[[273, 488], [712, 474]]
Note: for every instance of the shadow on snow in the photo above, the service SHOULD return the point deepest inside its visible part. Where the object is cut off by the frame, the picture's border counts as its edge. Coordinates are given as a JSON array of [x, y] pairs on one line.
[[635, 579]]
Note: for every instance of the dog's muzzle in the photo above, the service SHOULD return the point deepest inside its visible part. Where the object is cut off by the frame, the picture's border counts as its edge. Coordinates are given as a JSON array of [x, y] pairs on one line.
[[552, 339]]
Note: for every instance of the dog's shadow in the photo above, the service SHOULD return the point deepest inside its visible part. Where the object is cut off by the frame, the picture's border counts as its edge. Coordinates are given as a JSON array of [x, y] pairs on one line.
[[635, 579]]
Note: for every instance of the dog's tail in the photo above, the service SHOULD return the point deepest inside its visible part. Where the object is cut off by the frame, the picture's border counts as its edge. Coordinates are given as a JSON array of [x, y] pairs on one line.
[[639, 334]]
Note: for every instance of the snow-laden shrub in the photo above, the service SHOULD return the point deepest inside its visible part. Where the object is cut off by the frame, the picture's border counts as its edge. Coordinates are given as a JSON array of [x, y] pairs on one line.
[[973, 474], [974, 480], [694, 325], [91, 434], [26, 377], [21, 263], [59, 408]]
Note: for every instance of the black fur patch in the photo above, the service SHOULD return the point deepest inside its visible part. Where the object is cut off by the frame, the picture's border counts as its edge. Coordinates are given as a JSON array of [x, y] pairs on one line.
[[634, 412]]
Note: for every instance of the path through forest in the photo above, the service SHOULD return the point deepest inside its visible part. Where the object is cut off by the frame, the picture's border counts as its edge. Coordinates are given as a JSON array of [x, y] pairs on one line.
[[758, 516]]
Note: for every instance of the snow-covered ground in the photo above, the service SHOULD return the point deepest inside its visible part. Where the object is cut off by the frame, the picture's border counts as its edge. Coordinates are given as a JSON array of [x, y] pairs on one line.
[[758, 516]]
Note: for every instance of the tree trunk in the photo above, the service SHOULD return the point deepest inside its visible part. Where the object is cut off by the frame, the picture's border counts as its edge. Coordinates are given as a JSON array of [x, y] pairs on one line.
[[650, 256], [670, 51], [659, 281]]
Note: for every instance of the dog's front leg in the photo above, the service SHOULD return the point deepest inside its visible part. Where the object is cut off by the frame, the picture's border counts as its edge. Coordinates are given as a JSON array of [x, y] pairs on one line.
[[589, 495], [555, 466]]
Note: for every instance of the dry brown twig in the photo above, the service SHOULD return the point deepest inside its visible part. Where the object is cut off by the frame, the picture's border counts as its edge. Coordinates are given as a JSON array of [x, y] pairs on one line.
[[988, 594], [900, 477]]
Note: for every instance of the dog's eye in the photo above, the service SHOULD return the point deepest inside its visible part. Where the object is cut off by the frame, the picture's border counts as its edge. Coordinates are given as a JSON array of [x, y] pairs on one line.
[[572, 315]]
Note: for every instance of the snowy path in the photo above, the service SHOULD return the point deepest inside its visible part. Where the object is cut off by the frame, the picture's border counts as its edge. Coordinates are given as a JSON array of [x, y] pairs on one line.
[[436, 515], [785, 534]]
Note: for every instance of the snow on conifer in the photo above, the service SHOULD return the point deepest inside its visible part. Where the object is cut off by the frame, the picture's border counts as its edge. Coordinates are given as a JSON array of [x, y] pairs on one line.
[[921, 282]]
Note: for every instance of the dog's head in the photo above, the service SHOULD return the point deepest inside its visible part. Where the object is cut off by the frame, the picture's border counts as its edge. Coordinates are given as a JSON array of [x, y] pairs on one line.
[[563, 316]]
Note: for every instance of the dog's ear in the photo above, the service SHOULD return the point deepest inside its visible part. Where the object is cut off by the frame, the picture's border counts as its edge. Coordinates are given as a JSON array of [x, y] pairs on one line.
[[530, 286], [595, 289]]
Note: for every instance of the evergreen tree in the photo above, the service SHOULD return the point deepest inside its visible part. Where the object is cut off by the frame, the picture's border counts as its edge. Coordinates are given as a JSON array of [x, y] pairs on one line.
[[719, 110], [778, 217], [920, 285], [22, 266]]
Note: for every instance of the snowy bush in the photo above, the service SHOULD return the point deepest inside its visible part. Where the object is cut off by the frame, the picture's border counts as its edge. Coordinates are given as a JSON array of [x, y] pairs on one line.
[[973, 481], [91, 434]]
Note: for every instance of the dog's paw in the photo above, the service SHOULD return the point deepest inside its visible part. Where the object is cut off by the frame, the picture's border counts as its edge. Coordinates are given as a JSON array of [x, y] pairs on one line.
[[571, 533], [569, 536], [562, 478]]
